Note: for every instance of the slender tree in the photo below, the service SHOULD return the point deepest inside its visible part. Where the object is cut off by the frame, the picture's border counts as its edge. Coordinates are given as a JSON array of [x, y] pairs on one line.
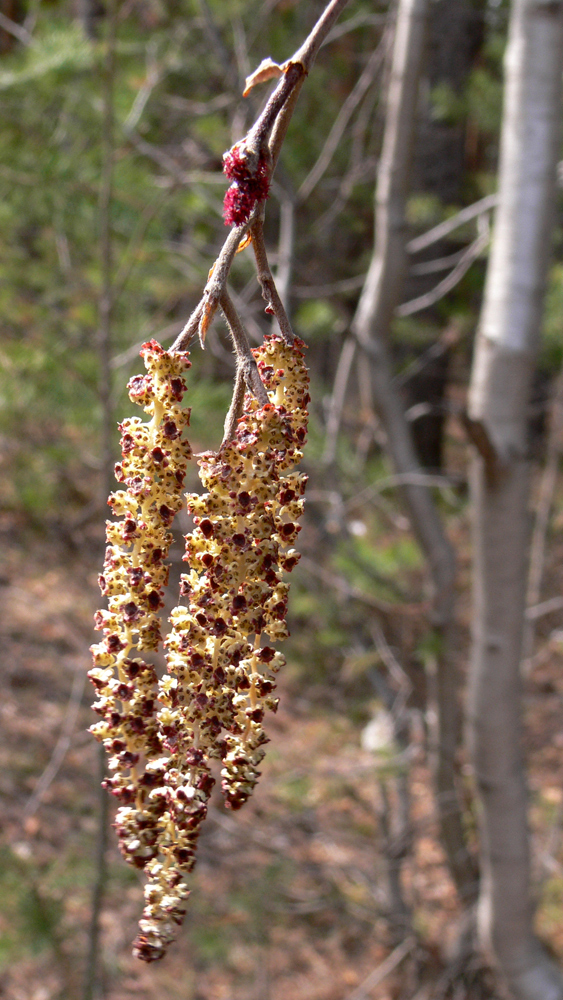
[[502, 372], [372, 325]]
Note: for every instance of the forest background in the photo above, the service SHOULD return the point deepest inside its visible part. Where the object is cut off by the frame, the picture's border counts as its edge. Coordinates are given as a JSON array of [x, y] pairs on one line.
[[110, 168]]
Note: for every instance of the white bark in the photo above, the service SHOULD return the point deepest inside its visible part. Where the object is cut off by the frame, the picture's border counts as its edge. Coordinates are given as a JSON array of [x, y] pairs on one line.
[[500, 386]]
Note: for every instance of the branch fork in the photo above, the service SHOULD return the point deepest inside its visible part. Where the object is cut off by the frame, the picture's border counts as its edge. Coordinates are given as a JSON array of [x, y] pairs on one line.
[[250, 165]]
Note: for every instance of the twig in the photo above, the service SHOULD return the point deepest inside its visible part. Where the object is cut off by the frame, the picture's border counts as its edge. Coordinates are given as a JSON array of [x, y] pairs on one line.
[[266, 279], [124, 357], [448, 339], [285, 249], [61, 747], [400, 479], [346, 111], [269, 129], [545, 608], [308, 51], [359, 21], [235, 409], [446, 285], [93, 972], [144, 92], [454, 222], [127, 262], [334, 288], [17, 30], [382, 971], [336, 406], [393, 666], [245, 359], [338, 583], [439, 264]]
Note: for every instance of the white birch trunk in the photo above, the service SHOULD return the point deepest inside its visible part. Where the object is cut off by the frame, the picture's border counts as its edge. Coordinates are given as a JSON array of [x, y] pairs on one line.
[[500, 386]]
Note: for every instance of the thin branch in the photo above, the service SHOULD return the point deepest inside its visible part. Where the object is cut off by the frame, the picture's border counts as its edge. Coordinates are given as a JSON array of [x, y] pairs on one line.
[[245, 359], [439, 264], [308, 51], [61, 747], [376, 977], [127, 262], [544, 504], [285, 249], [266, 279], [359, 21], [235, 409], [17, 30], [325, 291], [545, 608], [447, 284], [268, 131], [336, 406], [454, 222], [448, 339], [133, 352], [337, 131], [339, 583], [144, 92], [402, 479], [546, 493]]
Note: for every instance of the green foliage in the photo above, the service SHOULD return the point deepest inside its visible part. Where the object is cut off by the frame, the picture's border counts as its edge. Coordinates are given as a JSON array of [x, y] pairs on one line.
[[552, 332]]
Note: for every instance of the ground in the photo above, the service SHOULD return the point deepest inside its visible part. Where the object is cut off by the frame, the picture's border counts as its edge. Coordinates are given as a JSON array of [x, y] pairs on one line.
[[290, 895]]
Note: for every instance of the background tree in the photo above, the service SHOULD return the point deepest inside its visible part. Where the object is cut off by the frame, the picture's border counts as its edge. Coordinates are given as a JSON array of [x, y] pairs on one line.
[[503, 368], [302, 897]]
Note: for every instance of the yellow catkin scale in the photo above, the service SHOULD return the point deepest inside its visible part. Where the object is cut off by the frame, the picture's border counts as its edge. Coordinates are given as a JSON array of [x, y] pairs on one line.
[[135, 573], [221, 666]]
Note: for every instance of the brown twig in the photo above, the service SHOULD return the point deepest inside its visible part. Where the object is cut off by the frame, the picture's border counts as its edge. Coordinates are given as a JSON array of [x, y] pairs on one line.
[[267, 133], [235, 409], [245, 359], [266, 279]]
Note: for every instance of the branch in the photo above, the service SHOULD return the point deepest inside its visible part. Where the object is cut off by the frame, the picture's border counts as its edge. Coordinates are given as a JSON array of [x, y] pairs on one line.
[[346, 111], [364, 990], [61, 747], [267, 134], [266, 279], [17, 30], [309, 50], [245, 359], [469, 255], [449, 225]]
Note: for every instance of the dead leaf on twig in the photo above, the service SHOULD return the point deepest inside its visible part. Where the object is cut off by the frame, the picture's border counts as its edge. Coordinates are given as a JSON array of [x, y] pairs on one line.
[[244, 243], [267, 70]]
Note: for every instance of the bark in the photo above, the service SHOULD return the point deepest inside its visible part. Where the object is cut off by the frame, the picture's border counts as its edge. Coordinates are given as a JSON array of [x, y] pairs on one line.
[[500, 388], [371, 325], [454, 40]]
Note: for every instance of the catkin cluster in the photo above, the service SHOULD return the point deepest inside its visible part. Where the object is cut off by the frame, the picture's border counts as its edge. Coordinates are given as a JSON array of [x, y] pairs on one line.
[[135, 574], [221, 667]]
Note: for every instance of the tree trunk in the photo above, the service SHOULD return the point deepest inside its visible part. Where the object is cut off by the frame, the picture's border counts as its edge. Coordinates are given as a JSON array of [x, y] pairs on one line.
[[371, 325], [500, 388]]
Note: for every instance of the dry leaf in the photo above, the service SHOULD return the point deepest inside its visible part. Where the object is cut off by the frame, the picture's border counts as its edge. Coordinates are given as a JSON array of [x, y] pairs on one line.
[[267, 70], [244, 243]]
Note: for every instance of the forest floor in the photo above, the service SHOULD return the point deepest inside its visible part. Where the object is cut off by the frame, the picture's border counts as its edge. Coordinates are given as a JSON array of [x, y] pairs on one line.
[[289, 895]]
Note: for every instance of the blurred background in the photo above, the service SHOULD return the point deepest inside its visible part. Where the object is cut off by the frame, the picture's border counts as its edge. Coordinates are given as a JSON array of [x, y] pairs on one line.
[[113, 121]]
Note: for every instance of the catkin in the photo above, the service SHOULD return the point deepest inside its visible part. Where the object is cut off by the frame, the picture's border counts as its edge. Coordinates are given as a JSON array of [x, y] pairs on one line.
[[221, 668]]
